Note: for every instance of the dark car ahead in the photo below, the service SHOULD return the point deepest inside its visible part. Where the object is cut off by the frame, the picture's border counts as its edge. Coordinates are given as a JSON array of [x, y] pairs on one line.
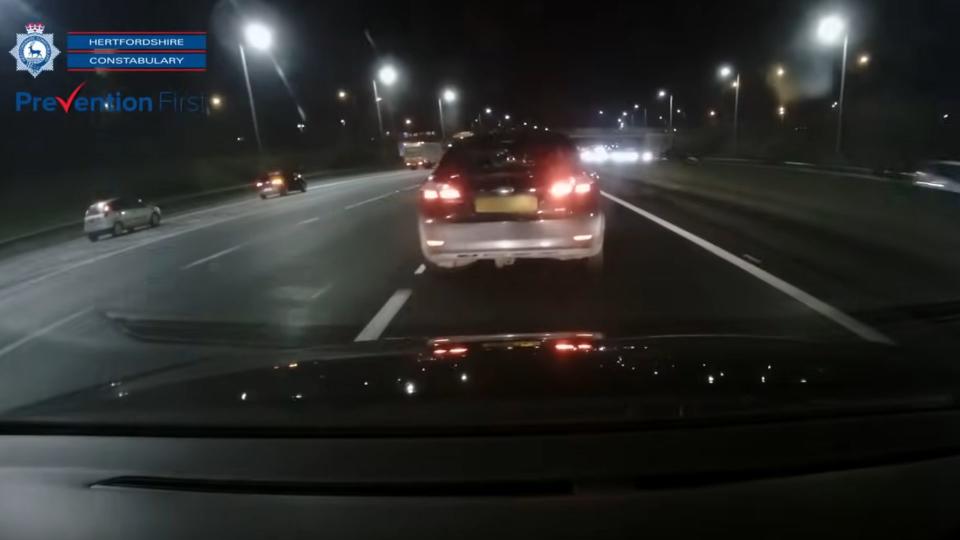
[[502, 197], [281, 182]]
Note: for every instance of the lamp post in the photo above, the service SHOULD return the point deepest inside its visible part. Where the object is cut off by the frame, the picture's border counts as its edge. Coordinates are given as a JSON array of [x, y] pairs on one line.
[[449, 95], [829, 31], [259, 37], [387, 76], [662, 94], [725, 72]]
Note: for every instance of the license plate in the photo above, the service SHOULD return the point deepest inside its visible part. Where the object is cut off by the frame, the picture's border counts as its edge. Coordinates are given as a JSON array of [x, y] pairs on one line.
[[513, 204]]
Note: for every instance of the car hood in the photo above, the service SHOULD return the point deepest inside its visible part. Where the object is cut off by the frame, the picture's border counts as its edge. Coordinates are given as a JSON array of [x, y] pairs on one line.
[[516, 381]]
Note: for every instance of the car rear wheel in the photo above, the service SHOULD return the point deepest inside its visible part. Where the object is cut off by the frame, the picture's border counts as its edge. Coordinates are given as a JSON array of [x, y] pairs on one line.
[[154, 219], [263, 197], [118, 229], [93, 237]]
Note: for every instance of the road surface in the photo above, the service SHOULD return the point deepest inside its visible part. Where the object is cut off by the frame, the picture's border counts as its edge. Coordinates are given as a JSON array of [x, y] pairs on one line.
[[342, 263]]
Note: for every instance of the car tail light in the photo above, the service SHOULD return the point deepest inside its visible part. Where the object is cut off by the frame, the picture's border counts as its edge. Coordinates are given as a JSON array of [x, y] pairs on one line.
[[259, 184], [563, 188], [444, 192], [449, 193], [276, 181]]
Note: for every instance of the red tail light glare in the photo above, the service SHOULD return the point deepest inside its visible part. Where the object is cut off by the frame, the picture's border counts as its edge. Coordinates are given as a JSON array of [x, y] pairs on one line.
[[561, 188], [458, 350], [430, 194], [564, 347], [582, 188], [582, 237], [449, 193], [439, 352], [584, 347], [259, 184], [435, 243]]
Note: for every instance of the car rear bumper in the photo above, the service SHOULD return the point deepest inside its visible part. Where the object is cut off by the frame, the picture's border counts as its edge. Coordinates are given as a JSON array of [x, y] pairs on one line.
[[462, 243], [97, 224]]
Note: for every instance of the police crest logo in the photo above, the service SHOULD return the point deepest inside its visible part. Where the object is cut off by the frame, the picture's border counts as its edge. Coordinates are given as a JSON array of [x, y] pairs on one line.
[[34, 51]]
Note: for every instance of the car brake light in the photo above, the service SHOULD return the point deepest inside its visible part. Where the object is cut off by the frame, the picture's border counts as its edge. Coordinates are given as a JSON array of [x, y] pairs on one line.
[[445, 192], [565, 347], [259, 184], [276, 181], [562, 188], [449, 193]]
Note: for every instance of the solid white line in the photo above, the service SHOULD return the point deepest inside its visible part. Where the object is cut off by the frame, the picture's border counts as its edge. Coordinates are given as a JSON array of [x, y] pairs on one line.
[[370, 200], [311, 220], [856, 327], [379, 322], [420, 269], [212, 257], [320, 291], [752, 259], [49, 328]]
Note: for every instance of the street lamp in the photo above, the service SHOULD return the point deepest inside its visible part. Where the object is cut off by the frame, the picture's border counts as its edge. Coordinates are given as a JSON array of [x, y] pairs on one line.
[[407, 122], [259, 37], [781, 111], [781, 72], [449, 95], [342, 95], [864, 59], [725, 72], [301, 126], [488, 110], [387, 75], [711, 113], [830, 30], [661, 94]]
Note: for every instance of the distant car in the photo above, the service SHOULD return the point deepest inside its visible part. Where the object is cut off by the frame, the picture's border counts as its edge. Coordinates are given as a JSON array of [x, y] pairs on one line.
[[118, 216], [421, 154], [943, 175], [511, 196], [280, 183]]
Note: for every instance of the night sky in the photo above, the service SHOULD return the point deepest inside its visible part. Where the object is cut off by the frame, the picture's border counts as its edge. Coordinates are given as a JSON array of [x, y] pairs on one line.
[[541, 61]]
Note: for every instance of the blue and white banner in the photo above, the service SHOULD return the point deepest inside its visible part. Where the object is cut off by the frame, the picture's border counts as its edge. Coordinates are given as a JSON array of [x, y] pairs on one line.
[[137, 51]]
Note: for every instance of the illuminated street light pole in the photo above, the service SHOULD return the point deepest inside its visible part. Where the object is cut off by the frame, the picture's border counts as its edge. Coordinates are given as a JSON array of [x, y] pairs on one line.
[[662, 94], [387, 76], [449, 95], [259, 37], [725, 72], [829, 31]]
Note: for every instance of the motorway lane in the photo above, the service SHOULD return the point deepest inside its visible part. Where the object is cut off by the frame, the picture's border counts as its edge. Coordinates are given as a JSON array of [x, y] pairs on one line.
[[285, 249], [343, 262]]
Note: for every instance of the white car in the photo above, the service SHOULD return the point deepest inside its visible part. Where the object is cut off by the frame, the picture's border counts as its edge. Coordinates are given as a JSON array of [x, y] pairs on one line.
[[943, 175], [117, 216]]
